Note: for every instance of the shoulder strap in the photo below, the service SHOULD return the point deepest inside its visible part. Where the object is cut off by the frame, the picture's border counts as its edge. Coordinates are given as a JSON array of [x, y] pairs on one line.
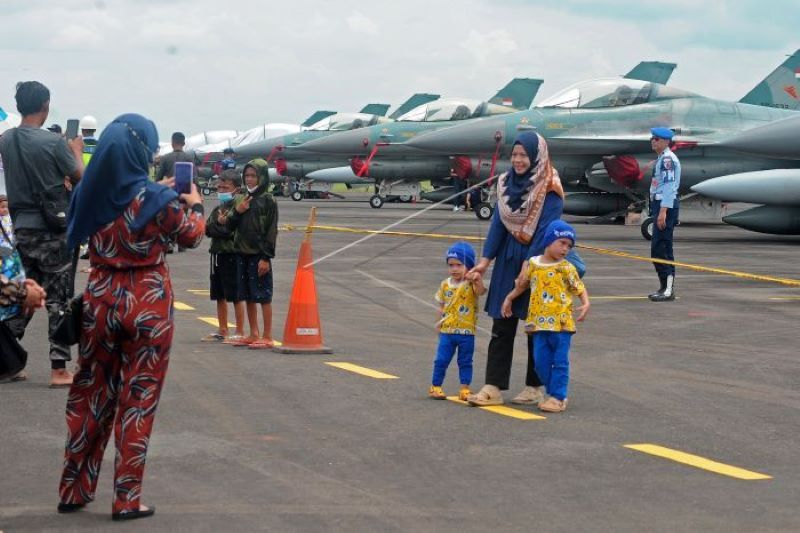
[[23, 163]]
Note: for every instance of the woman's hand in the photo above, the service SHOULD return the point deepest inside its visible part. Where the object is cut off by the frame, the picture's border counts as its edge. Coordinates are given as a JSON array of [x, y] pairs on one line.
[[168, 182], [192, 197], [505, 310], [479, 269]]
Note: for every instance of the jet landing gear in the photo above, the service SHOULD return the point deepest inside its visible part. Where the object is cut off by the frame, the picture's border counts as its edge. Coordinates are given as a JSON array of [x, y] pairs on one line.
[[402, 190], [647, 228]]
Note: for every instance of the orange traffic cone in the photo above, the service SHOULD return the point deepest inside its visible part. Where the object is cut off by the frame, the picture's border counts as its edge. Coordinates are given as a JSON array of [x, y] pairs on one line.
[[303, 332]]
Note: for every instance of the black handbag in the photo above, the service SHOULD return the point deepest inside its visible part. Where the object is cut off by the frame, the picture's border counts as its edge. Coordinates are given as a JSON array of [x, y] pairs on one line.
[[68, 326], [13, 356], [53, 203]]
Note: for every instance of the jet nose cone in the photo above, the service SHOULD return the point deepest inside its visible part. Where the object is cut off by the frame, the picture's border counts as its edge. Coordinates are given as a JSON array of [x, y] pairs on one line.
[[476, 136], [354, 142]]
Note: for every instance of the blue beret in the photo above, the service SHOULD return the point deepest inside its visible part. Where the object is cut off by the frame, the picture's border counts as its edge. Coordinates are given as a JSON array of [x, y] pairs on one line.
[[463, 252], [662, 133]]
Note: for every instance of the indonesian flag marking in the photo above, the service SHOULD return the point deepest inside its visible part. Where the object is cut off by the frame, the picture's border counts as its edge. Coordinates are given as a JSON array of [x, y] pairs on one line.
[[509, 101], [797, 73]]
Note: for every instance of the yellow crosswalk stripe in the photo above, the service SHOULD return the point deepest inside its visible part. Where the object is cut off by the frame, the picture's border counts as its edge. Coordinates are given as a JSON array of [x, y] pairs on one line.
[[697, 461], [503, 410], [364, 371], [200, 292], [180, 306]]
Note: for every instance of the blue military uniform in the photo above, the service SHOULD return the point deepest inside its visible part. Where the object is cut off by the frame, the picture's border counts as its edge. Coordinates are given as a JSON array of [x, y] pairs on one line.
[[664, 193]]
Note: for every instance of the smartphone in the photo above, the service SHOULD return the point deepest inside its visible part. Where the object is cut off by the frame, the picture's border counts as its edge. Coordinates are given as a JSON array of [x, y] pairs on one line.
[[72, 128], [183, 176]]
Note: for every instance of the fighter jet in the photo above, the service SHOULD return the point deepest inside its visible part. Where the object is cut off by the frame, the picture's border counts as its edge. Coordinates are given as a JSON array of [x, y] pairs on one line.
[[517, 94], [598, 134], [398, 169], [778, 190]]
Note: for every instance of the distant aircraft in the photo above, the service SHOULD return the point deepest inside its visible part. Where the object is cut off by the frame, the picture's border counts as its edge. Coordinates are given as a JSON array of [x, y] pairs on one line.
[[398, 168], [517, 94], [598, 134]]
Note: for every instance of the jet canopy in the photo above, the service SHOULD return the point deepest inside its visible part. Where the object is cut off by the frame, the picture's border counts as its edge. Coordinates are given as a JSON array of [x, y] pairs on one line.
[[347, 121], [448, 110], [265, 131], [611, 92]]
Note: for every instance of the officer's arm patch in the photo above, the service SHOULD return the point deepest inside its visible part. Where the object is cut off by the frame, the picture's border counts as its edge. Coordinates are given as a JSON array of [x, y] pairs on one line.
[[667, 163]]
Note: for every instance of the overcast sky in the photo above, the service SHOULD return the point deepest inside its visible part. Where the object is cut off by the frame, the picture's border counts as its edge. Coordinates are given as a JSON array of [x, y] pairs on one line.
[[195, 65]]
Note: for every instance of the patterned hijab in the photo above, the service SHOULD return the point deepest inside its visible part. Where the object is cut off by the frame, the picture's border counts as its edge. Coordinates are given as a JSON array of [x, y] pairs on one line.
[[520, 197]]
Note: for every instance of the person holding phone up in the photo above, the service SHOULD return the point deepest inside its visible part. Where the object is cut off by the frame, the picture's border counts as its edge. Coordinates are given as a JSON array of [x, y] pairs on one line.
[[255, 219]]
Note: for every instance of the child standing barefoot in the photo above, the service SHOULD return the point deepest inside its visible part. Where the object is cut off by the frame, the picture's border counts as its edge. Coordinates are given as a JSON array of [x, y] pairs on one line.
[[553, 282], [458, 307]]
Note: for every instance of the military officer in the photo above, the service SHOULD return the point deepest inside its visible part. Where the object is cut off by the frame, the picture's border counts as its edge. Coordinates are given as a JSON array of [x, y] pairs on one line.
[[664, 204]]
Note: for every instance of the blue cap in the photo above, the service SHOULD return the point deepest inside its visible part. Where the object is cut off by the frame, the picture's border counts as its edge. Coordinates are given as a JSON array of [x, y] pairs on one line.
[[558, 229], [463, 252], [662, 133]]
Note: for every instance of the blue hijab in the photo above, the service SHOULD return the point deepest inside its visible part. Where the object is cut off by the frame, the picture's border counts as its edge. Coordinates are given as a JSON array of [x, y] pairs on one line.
[[519, 184], [116, 173]]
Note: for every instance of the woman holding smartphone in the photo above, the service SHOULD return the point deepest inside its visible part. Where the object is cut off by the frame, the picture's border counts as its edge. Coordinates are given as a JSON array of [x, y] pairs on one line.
[[127, 311]]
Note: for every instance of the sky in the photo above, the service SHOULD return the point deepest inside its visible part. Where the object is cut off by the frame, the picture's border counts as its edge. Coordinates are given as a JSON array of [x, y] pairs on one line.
[[197, 65]]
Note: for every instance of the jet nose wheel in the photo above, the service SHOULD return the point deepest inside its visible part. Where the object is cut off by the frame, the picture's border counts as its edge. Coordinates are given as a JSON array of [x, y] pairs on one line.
[[484, 211], [297, 196], [647, 228], [376, 202]]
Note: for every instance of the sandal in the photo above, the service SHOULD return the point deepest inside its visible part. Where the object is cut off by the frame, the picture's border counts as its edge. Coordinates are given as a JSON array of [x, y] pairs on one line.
[[488, 395], [262, 344], [553, 405], [245, 341], [134, 514], [213, 337], [529, 396]]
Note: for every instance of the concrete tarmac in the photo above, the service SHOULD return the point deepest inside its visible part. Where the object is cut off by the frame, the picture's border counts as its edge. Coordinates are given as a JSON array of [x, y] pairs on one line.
[[249, 440]]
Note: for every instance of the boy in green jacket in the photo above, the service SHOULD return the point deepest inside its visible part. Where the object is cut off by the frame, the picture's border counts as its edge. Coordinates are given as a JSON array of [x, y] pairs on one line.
[[255, 221]]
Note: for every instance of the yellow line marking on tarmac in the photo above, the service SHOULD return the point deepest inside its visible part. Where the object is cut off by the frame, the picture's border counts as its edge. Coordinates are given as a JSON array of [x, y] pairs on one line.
[[785, 298], [200, 292], [180, 306], [604, 251], [361, 370], [697, 461], [213, 321], [503, 410]]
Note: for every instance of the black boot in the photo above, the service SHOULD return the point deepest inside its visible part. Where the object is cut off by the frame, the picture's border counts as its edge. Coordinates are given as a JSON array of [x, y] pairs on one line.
[[660, 291], [669, 291]]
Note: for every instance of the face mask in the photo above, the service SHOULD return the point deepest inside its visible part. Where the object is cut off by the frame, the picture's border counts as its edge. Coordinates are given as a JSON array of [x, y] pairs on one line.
[[251, 190], [224, 197]]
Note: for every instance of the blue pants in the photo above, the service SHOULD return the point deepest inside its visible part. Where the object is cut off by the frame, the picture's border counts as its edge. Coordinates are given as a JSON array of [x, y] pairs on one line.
[[448, 342], [661, 245], [552, 360]]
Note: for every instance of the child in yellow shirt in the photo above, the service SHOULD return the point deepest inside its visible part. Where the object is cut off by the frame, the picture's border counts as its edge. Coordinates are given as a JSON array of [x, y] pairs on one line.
[[458, 308], [553, 282]]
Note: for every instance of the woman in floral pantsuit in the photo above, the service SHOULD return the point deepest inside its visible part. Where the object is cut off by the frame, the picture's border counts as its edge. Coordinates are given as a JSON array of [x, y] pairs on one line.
[[127, 312]]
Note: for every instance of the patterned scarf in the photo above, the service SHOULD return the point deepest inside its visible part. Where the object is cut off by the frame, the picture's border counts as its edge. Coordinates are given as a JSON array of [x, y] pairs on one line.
[[521, 223]]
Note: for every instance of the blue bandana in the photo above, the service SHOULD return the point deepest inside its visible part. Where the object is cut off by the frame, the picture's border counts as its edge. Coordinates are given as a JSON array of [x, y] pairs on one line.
[[116, 173]]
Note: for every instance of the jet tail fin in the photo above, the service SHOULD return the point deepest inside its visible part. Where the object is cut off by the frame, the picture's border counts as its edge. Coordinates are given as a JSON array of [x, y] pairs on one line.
[[415, 100], [316, 116], [518, 93], [781, 88], [652, 71], [375, 109]]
